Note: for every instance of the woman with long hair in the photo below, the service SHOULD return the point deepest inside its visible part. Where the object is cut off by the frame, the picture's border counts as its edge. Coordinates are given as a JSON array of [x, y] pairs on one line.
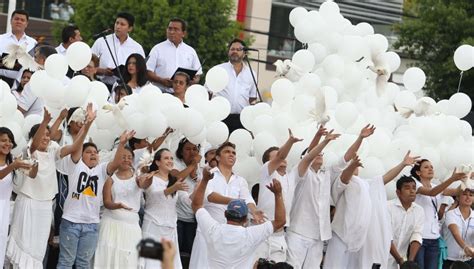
[[161, 196], [119, 229], [429, 197], [134, 74], [7, 173]]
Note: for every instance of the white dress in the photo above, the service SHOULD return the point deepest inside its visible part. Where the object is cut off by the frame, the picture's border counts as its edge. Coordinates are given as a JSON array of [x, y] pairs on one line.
[[160, 218], [6, 187], [119, 231]]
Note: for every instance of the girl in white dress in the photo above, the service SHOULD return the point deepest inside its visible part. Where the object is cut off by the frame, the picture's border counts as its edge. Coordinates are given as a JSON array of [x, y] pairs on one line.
[[119, 231], [7, 167], [161, 194]]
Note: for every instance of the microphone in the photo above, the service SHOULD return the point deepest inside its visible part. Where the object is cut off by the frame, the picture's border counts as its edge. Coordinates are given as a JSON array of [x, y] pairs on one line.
[[103, 33], [250, 49]]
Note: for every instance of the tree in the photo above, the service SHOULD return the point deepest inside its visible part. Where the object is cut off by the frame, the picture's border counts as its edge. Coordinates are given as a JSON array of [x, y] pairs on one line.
[[430, 34], [210, 24]]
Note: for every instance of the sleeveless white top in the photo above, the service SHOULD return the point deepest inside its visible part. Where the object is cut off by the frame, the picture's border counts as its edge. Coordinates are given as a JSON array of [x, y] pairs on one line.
[[125, 191], [160, 208]]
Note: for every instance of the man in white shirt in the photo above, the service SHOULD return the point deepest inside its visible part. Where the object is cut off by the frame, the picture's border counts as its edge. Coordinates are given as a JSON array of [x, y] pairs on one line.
[[407, 220], [121, 45], [17, 36], [241, 90], [169, 55], [225, 187], [274, 159], [69, 35], [231, 244]]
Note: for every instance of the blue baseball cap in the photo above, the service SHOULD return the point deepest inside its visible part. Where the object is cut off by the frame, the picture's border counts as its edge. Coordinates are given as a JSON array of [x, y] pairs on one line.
[[237, 208]]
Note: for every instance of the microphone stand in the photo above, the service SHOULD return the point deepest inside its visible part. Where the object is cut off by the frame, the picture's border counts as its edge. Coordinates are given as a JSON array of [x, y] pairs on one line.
[[246, 58], [115, 62]]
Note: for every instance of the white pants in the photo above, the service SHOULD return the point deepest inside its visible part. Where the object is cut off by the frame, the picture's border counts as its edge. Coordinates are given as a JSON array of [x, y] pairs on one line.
[[199, 252], [274, 248], [156, 232], [304, 252], [337, 255]]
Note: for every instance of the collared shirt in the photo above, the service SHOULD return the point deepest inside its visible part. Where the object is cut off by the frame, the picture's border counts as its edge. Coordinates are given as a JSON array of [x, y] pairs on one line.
[[236, 188], [120, 51], [266, 199], [165, 58], [239, 89], [231, 246], [8, 39], [466, 230], [61, 49], [407, 225], [29, 102], [310, 216], [431, 227]]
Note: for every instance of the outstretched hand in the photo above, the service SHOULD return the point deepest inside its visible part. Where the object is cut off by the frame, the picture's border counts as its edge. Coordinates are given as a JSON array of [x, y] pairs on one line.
[[355, 162], [410, 160], [367, 131], [125, 136], [321, 130], [292, 138], [330, 136], [206, 174], [90, 113], [457, 175], [46, 116], [275, 186]]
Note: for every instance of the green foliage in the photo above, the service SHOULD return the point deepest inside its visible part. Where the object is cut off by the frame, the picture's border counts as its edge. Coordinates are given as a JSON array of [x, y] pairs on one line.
[[434, 30], [210, 24]]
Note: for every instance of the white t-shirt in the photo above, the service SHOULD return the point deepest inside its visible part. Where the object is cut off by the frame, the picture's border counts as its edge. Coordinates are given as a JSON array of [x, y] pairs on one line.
[[165, 58], [266, 199], [45, 185], [231, 246], [160, 208], [239, 89], [431, 227], [84, 196], [466, 230], [183, 205]]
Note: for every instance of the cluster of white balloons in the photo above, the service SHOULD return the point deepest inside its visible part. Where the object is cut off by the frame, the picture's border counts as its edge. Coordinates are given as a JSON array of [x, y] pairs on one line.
[[337, 77]]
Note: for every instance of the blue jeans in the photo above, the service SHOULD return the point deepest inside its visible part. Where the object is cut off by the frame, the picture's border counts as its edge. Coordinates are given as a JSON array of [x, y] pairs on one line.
[[428, 255], [77, 244]]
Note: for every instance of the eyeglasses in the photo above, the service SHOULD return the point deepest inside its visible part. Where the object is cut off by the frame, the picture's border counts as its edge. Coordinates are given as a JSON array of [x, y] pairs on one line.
[[236, 49]]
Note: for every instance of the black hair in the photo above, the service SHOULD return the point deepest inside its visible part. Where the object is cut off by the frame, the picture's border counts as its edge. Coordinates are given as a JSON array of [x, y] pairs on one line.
[[141, 69], [417, 168], [181, 144], [46, 50], [184, 25], [409, 265], [21, 12], [266, 154], [223, 145], [269, 264], [8, 132], [255, 190], [89, 144], [128, 17], [69, 31], [133, 141], [34, 129], [236, 40], [154, 167], [120, 87], [403, 180], [130, 150], [20, 87]]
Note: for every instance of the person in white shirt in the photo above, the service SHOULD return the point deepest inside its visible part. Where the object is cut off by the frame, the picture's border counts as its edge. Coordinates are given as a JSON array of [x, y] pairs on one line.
[[121, 45], [19, 22], [428, 197], [231, 244], [225, 187], [407, 223], [241, 90], [166, 57], [79, 229], [274, 159], [460, 238], [69, 35], [33, 207], [8, 171]]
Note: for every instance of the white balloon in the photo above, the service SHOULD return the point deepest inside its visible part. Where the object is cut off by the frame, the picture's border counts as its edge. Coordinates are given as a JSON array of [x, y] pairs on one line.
[[30, 121], [149, 97], [77, 91], [246, 117], [310, 82], [200, 138], [176, 116], [319, 52], [296, 14], [414, 79], [464, 57], [283, 91], [262, 123], [305, 30], [442, 106], [328, 9], [262, 142], [39, 81], [54, 93], [196, 95], [379, 143], [98, 93], [304, 59], [56, 66], [262, 108], [365, 28], [465, 130], [391, 59], [242, 140], [301, 107], [156, 124], [102, 138], [405, 99], [217, 79], [333, 65], [138, 123], [346, 114], [459, 105], [352, 48], [378, 44], [372, 167], [105, 119], [220, 108], [78, 55], [217, 133], [8, 105], [195, 122]]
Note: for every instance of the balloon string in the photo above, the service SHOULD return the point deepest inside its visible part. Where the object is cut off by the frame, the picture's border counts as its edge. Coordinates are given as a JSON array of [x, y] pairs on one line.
[[460, 79]]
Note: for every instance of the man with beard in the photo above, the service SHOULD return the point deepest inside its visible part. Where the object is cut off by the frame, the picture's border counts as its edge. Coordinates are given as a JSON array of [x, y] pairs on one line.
[[241, 90]]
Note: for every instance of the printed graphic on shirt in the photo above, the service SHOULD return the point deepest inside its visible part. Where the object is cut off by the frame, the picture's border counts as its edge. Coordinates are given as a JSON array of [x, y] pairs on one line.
[[86, 185]]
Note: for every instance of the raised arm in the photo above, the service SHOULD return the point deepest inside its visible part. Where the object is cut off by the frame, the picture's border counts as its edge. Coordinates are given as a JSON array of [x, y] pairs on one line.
[[159, 140], [282, 153], [76, 148], [41, 131], [317, 137], [439, 188], [280, 214], [308, 159], [114, 164], [392, 173], [347, 173], [198, 199], [54, 132], [367, 131]]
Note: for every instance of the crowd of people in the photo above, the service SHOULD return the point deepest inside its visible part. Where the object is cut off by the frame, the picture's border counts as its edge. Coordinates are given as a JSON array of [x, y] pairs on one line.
[[73, 209]]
